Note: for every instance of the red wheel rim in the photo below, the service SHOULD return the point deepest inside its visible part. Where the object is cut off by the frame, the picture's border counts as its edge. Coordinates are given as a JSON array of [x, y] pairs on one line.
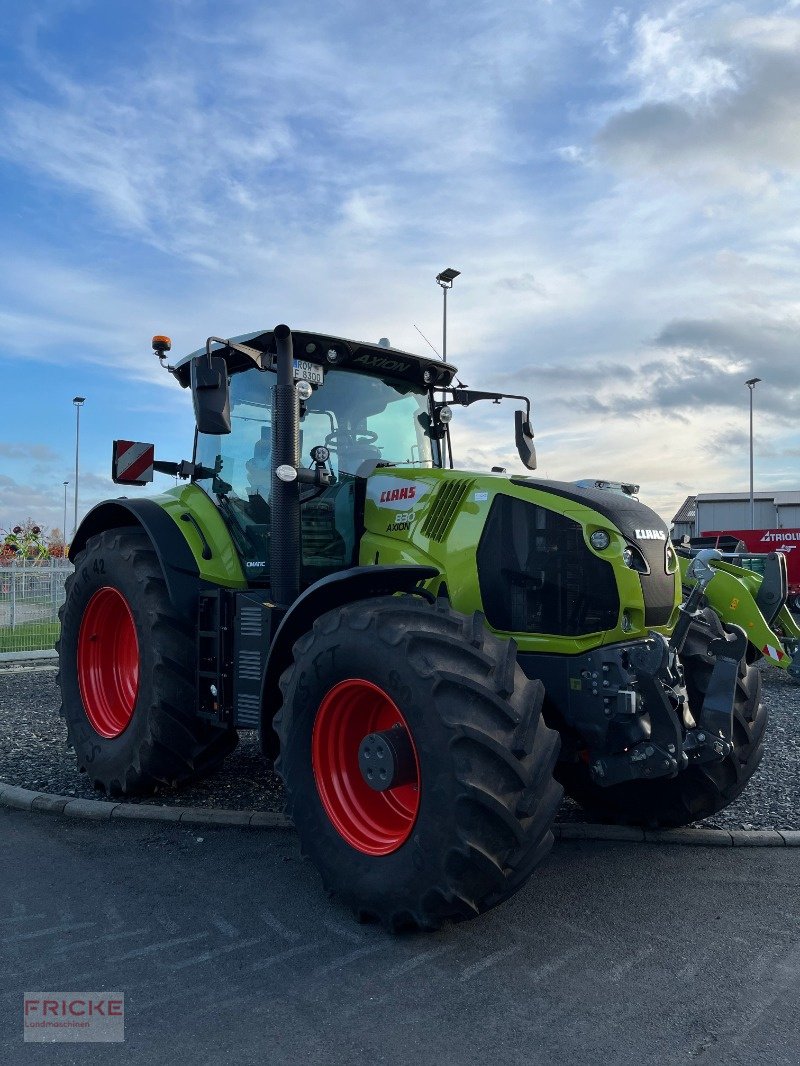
[[375, 823], [108, 662]]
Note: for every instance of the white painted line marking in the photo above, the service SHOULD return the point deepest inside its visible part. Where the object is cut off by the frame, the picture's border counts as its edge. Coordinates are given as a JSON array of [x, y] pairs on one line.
[[278, 927], [152, 949], [224, 926], [215, 953], [47, 932], [490, 960], [273, 960], [345, 960]]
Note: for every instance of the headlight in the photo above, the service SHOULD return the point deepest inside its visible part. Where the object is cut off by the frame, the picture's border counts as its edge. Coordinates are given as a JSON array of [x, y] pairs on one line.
[[633, 558], [304, 389], [600, 540], [672, 559], [445, 414]]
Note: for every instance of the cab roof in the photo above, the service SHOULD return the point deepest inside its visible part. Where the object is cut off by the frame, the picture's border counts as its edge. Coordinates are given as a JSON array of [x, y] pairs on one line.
[[314, 348]]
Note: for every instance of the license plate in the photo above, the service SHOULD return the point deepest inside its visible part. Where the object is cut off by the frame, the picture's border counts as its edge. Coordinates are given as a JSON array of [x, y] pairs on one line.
[[304, 371]]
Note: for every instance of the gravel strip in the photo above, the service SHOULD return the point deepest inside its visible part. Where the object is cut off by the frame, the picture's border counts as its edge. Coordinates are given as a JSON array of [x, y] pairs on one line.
[[34, 755]]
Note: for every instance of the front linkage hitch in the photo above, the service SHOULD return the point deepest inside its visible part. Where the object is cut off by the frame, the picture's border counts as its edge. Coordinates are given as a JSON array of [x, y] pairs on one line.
[[652, 679]]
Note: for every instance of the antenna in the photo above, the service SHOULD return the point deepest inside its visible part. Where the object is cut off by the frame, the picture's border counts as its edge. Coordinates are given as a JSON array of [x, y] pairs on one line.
[[416, 327]]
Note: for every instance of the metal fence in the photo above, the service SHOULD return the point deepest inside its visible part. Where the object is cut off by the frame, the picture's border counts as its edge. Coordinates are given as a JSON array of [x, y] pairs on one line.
[[31, 593]]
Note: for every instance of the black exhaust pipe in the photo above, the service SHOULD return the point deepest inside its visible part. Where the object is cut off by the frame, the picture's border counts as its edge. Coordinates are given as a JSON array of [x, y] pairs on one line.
[[285, 542]]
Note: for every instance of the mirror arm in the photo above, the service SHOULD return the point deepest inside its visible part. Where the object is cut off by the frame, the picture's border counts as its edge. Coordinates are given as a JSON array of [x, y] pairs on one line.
[[465, 397], [252, 353]]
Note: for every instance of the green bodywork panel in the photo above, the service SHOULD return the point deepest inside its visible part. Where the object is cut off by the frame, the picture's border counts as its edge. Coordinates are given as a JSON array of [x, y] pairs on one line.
[[397, 509], [732, 595], [224, 567]]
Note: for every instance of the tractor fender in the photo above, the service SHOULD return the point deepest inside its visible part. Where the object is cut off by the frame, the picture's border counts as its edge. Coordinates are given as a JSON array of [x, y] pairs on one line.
[[336, 590], [177, 561]]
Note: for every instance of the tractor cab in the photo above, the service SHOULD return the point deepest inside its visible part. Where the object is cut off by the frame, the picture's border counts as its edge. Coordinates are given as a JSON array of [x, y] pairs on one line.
[[360, 407]]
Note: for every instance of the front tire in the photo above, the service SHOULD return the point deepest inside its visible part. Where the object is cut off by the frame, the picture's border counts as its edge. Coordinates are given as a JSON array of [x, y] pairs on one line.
[[127, 673], [702, 789], [471, 821]]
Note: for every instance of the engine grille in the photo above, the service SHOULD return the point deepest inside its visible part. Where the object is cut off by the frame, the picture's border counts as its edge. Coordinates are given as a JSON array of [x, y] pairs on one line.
[[536, 574], [444, 508]]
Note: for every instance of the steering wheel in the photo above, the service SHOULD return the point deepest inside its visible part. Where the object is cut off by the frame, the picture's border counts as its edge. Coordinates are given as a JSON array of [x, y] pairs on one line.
[[351, 438]]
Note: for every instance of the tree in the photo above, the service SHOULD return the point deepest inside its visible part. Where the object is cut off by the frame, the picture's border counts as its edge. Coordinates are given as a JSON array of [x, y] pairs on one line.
[[56, 544]]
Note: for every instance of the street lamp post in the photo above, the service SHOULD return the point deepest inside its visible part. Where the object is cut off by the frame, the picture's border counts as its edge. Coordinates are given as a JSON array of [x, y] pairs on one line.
[[751, 384], [64, 527], [78, 401], [446, 279]]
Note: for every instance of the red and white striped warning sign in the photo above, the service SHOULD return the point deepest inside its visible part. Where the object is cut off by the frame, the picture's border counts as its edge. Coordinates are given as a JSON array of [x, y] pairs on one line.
[[773, 653], [133, 462]]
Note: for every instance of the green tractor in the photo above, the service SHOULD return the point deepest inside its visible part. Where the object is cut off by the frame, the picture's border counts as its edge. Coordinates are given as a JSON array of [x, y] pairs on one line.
[[430, 655]]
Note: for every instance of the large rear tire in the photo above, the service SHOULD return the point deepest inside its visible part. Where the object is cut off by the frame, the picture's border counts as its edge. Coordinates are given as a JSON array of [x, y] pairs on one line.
[[701, 790], [127, 673], [472, 819]]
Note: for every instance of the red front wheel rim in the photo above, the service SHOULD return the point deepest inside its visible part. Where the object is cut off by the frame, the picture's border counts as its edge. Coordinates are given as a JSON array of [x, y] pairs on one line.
[[108, 662], [375, 823]]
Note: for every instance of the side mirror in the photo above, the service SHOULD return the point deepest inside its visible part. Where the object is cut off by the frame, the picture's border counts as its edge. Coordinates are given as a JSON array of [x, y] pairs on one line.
[[523, 435], [211, 394]]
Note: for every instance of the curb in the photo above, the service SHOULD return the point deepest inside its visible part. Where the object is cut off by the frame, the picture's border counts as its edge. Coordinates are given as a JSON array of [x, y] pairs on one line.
[[24, 799], [725, 838], [28, 659]]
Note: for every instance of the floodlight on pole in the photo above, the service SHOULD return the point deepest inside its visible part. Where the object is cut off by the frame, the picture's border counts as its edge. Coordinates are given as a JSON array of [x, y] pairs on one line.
[[79, 402], [445, 279], [751, 385]]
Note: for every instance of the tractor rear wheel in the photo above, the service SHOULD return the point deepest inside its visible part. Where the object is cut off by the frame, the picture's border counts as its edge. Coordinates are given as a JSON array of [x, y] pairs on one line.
[[127, 672], [702, 789], [417, 765]]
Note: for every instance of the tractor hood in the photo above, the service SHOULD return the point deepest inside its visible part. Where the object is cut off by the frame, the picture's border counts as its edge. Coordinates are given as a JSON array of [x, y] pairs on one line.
[[635, 521], [547, 558]]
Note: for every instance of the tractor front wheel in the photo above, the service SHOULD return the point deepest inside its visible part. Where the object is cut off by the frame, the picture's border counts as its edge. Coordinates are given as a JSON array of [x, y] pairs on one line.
[[127, 672], [417, 765]]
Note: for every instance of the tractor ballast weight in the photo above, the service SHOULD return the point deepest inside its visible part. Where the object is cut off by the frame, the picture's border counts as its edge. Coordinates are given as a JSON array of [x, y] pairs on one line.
[[430, 654]]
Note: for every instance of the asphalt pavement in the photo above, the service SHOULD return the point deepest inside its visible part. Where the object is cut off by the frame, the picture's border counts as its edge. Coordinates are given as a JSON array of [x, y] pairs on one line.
[[228, 951]]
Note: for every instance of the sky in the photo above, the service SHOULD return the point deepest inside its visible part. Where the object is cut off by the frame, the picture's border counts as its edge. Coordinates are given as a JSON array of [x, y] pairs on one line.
[[618, 184]]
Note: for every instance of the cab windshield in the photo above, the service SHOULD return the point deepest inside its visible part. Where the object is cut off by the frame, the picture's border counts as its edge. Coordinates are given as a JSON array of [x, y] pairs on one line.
[[361, 420]]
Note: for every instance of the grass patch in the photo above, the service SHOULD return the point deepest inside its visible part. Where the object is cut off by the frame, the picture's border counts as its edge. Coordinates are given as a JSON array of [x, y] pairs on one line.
[[30, 636]]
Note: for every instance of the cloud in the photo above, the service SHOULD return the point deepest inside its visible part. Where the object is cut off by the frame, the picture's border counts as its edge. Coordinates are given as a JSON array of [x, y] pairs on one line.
[[43, 499], [39, 452], [714, 98], [669, 63], [716, 358], [523, 283], [607, 184]]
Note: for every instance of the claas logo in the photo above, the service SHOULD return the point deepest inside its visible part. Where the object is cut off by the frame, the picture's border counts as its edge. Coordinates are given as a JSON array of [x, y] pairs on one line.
[[408, 492]]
